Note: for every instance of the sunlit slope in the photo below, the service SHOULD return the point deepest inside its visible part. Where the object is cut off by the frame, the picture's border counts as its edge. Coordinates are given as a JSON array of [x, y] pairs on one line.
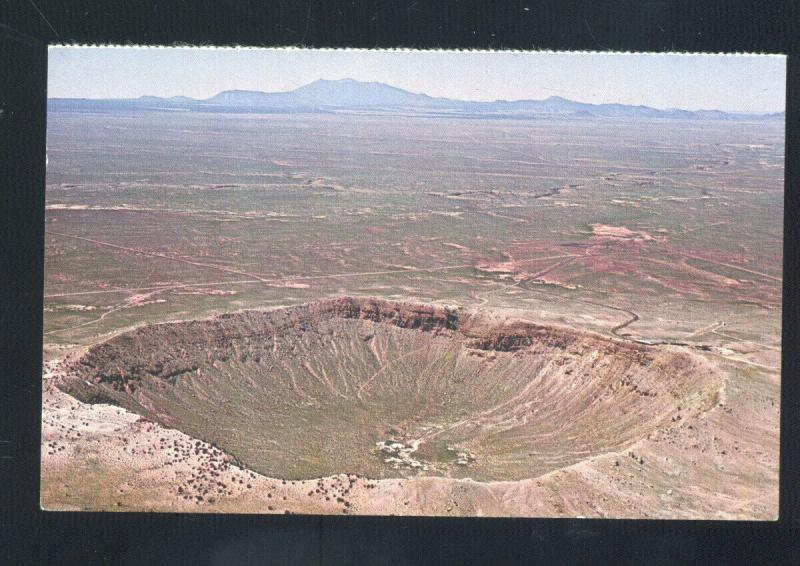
[[386, 389]]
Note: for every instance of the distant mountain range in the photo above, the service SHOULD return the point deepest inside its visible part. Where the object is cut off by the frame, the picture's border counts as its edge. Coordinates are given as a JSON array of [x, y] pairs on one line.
[[351, 96]]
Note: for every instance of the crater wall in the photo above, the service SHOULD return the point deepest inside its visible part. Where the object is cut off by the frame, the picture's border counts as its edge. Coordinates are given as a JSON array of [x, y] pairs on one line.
[[389, 389]]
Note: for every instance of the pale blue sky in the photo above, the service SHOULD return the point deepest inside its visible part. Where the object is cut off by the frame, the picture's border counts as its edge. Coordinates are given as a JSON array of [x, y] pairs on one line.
[[731, 83]]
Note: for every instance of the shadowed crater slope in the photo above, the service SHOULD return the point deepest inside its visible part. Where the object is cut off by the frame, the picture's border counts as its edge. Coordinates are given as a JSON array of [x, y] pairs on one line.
[[387, 389]]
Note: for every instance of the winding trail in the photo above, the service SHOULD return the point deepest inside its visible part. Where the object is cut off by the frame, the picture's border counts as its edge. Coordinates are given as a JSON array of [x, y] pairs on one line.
[[614, 330], [617, 328]]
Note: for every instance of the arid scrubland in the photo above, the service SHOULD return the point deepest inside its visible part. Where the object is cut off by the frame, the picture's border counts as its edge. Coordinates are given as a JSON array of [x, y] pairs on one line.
[[360, 314]]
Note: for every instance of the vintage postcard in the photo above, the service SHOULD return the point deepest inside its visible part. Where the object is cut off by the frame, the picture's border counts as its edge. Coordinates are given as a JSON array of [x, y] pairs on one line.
[[413, 283]]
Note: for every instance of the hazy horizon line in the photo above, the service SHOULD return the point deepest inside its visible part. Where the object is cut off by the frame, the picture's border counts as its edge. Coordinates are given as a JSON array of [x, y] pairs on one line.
[[348, 79]]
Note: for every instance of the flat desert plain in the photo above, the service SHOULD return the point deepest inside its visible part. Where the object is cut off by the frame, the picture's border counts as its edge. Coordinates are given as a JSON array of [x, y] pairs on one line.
[[365, 314]]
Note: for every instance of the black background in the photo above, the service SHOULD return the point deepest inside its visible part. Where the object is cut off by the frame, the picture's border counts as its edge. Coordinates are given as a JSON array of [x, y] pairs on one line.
[[30, 536]]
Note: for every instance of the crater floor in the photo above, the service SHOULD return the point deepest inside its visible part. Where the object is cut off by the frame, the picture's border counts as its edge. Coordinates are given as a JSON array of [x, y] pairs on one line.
[[393, 390]]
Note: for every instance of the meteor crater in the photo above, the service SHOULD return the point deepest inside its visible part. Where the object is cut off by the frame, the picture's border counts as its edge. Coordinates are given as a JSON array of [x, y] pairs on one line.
[[387, 389]]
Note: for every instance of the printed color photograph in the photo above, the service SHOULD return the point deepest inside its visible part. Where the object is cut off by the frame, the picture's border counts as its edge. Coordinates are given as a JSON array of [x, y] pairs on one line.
[[431, 283]]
